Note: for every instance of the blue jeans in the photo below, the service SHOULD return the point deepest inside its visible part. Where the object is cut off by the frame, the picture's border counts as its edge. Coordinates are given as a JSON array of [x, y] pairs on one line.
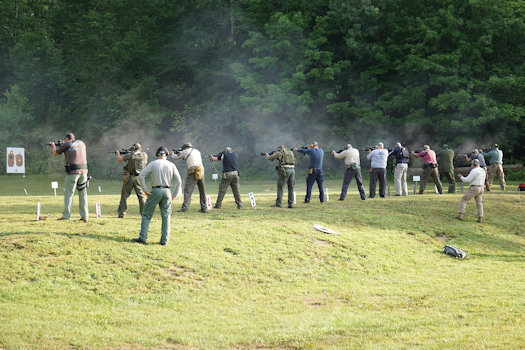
[[162, 197], [316, 175]]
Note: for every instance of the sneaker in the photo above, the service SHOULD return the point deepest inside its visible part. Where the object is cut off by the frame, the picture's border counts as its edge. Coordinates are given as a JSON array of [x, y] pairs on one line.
[[182, 210], [290, 207], [85, 220], [203, 210], [163, 243], [275, 206], [216, 206], [62, 219], [138, 240]]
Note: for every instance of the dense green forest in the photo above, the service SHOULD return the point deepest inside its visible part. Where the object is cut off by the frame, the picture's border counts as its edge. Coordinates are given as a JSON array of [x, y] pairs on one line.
[[256, 73]]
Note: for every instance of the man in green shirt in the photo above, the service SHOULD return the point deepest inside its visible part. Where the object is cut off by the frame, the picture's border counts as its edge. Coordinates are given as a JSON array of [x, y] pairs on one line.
[[495, 159], [445, 159], [286, 174], [136, 161]]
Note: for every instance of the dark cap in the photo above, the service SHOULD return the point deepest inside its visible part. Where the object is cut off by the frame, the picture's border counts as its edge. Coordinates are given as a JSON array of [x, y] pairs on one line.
[[187, 145], [162, 150]]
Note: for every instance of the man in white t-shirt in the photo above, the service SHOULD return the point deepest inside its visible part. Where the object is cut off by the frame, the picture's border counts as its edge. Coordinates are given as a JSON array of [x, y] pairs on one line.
[[476, 178]]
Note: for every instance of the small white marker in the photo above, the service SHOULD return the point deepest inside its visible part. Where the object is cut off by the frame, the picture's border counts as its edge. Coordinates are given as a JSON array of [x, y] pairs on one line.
[[208, 202], [327, 195], [252, 199], [37, 211], [25, 191], [99, 189], [98, 209]]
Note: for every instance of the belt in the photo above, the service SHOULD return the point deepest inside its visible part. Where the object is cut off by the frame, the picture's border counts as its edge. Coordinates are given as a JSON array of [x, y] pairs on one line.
[[288, 166], [476, 185], [316, 168], [235, 172], [161, 187]]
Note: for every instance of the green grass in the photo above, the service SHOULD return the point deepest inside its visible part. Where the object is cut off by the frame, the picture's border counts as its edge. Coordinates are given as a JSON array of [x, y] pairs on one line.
[[261, 277]]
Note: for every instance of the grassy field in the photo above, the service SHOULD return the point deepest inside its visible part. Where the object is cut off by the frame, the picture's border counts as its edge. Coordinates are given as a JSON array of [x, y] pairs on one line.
[[261, 278]]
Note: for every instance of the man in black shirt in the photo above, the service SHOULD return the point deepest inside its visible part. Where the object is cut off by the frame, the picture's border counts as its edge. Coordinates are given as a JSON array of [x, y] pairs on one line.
[[230, 176]]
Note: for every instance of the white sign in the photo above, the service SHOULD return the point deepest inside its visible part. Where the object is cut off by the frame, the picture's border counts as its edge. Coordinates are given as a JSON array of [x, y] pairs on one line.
[[99, 189], [208, 202], [98, 209], [54, 184], [214, 176], [252, 199], [327, 195], [16, 162], [416, 178]]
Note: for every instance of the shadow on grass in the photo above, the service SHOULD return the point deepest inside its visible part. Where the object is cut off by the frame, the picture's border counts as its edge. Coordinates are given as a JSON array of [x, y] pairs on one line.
[[69, 235]]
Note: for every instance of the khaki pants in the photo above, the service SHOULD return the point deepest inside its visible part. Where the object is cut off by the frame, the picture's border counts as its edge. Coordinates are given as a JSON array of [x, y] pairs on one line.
[[496, 169], [475, 192], [400, 179]]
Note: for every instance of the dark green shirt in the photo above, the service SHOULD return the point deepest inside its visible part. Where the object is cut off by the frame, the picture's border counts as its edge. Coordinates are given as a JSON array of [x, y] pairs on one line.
[[445, 159]]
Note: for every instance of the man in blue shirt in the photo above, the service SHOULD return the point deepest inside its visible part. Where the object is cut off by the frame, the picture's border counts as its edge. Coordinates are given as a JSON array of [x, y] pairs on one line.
[[315, 170], [401, 168]]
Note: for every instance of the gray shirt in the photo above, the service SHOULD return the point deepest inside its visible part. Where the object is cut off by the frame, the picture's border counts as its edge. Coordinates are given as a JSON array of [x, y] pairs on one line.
[[378, 158], [162, 174]]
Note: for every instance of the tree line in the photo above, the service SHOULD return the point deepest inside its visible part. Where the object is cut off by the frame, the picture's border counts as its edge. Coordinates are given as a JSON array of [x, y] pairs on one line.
[[255, 73]]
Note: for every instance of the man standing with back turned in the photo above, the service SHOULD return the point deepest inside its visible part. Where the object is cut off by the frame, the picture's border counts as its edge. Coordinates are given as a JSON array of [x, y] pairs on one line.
[[378, 159], [353, 169], [430, 168], [76, 169], [476, 177], [230, 176], [193, 159], [445, 159], [163, 172], [495, 158], [286, 174], [136, 161], [315, 170], [400, 171]]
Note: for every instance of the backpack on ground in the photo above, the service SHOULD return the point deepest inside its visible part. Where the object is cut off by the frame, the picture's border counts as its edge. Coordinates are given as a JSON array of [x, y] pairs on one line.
[[454, 251]]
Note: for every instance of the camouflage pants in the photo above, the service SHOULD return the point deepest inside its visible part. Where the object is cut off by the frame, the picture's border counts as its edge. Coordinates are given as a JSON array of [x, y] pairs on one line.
[[496, 169]]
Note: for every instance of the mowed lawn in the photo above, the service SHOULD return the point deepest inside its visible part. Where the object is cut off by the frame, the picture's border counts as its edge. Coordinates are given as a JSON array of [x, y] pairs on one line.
[[261, 277]]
